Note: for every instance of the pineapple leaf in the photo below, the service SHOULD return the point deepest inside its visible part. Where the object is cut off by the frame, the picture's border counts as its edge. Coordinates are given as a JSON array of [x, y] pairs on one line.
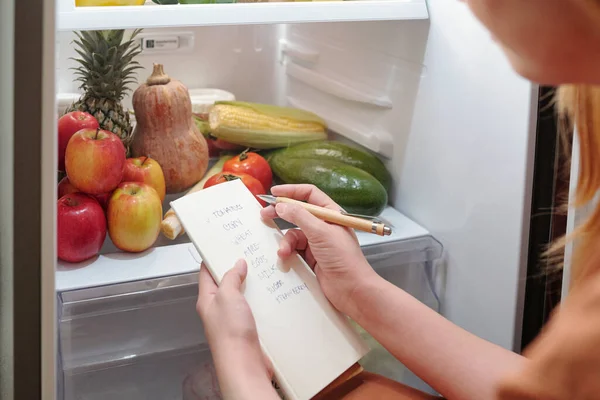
[[84, 57], [83, 43], [115, 37], [84, 64], [109, 70], [127, 72], [111, 55], [99, 58]]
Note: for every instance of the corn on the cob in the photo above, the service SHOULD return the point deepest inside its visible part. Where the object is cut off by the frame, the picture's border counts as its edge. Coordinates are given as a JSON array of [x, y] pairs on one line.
[[263, 126]]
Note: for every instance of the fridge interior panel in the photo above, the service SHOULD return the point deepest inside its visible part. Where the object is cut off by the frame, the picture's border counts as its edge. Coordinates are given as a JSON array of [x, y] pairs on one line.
[[466, 171]]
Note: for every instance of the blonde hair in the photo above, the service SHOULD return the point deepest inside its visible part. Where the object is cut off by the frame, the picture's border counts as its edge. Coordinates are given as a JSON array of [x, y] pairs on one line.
[[579, 106]]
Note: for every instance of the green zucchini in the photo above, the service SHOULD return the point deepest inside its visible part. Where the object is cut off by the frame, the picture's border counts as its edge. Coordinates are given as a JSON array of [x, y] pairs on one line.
[[336, 151], [355, 190]]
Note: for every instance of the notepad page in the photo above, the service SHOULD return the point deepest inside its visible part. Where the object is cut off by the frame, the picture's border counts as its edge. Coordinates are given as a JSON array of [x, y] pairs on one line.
[[308, 341]]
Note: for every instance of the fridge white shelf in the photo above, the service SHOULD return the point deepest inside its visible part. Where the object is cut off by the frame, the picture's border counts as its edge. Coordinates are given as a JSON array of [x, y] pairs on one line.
[[155, 16], [117, 267]]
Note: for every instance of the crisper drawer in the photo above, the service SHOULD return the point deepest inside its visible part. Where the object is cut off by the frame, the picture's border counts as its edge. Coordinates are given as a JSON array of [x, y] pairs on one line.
[[108, 324], [186, 374]]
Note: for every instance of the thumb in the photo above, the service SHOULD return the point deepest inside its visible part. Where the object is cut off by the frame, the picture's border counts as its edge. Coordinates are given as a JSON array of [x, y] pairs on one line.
[[313, 227], [235, 277]]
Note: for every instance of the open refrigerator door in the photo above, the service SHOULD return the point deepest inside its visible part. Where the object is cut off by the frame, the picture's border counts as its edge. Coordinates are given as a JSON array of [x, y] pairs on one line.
[[411, 83], [127, 325]]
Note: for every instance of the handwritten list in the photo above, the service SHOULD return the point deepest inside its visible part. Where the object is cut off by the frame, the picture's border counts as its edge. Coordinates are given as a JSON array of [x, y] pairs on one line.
[[308, 341], [262, 264]]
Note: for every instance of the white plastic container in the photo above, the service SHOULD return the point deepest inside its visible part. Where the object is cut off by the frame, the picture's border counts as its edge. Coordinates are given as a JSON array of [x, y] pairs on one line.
[[203, 99]]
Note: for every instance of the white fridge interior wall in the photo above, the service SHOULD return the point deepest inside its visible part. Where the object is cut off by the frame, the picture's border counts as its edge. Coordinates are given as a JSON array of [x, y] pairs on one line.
[[234, 58], [467, 170]]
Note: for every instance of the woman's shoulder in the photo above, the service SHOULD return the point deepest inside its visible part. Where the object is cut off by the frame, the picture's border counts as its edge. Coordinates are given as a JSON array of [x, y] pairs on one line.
[[564, 361]]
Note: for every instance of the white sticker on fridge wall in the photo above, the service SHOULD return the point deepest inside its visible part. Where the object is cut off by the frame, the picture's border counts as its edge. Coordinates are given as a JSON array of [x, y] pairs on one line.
[[308, 341]]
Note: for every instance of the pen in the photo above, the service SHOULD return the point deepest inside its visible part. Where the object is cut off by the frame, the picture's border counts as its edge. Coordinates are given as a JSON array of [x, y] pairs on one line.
[[361, 223]]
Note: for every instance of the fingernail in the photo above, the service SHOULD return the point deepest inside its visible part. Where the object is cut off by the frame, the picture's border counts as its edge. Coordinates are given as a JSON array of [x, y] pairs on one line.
[[242, 266], [281, 208]]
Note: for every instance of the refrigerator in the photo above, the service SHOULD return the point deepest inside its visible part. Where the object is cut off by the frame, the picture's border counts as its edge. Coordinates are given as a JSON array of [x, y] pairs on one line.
[[472, 147]]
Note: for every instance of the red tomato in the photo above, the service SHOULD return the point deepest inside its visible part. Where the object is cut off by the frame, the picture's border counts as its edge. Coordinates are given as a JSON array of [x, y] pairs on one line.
[[251, 183], [253, 165]]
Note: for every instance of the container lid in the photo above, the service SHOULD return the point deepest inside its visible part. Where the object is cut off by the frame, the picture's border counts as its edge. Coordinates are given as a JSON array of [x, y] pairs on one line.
[[207, 97], [67, 98]]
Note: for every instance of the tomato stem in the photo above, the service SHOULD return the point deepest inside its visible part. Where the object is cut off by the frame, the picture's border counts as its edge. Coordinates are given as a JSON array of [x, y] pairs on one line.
[[230, 177], [244, 154]]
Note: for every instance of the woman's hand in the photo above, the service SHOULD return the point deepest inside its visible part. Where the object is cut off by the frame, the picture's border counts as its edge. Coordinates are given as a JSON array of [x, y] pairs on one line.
[[331, 250], [242, 369]]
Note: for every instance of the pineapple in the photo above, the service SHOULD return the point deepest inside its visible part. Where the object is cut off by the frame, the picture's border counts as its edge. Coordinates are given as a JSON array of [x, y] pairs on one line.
[[106, 69]]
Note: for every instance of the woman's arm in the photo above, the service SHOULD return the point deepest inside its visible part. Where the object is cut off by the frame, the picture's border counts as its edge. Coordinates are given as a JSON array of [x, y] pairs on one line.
[[241, 372], [456, 363]]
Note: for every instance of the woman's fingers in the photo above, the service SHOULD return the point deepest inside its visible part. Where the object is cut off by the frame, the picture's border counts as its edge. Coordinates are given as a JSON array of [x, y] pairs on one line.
[[292, 240], [207, 288], [305, 192], [268, 213], [310, 258], [235, 277]]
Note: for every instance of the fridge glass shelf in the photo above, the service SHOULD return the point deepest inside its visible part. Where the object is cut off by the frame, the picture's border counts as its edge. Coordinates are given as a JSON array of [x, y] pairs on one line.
[[151, 15], [408, 243]]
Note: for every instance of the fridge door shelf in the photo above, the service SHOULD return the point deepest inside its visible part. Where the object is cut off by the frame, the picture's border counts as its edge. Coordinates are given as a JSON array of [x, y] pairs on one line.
[[154, 16]]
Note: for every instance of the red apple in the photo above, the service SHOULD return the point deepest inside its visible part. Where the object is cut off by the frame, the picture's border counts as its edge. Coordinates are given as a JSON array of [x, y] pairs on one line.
[[145, 170], [65, 187], [81, 227], [95, 160], [134, 216], [68, 125], [103, 199]]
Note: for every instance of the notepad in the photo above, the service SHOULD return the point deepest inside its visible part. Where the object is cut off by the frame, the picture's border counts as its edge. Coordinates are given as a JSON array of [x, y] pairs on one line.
[[308, 341]]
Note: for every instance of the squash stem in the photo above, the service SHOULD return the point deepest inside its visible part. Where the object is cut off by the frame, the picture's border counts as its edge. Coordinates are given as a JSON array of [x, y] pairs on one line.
[[158, 76]]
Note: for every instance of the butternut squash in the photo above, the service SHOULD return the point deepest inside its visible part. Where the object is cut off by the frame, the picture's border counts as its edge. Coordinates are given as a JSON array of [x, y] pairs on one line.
[[165, 131]]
